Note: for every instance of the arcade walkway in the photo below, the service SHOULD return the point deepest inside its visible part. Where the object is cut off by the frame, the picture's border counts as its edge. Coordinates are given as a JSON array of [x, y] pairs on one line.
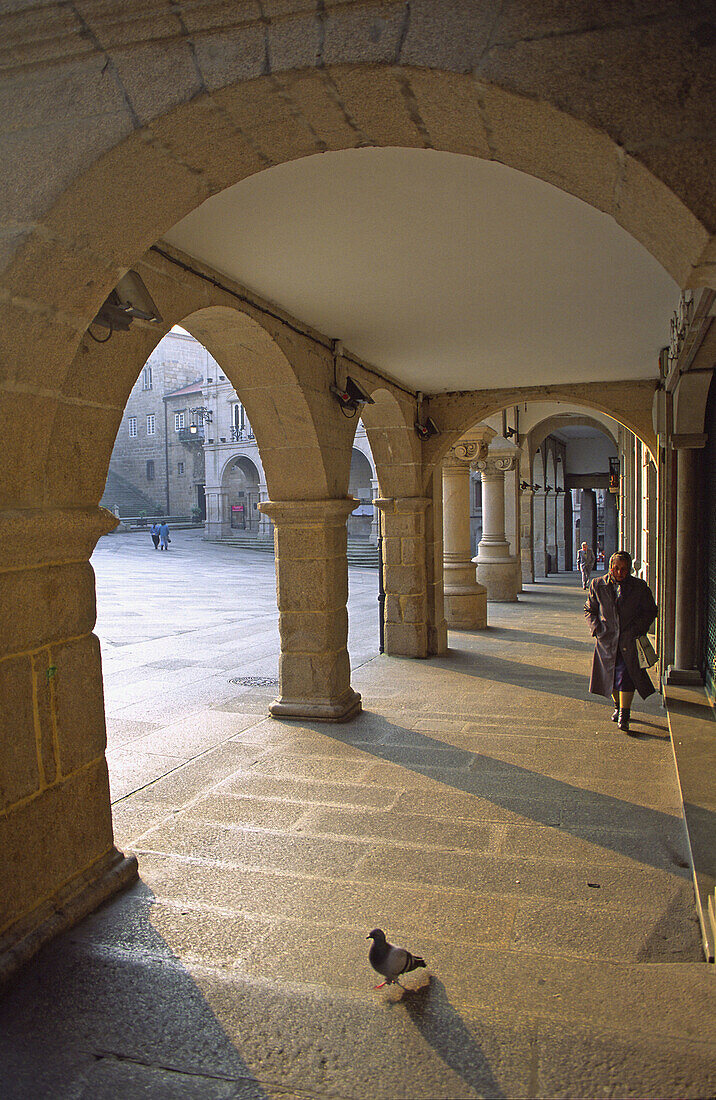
[[483, 810]]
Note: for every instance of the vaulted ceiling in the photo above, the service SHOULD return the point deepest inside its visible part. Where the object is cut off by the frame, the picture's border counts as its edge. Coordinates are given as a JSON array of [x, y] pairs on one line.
[[445, 271]]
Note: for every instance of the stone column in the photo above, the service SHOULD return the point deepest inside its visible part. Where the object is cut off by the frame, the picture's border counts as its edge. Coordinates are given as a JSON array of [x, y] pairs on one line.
[[539, 515], [561, 542], [265, 528], [528, 570], [588, 519], [512, 520], [312, 590], [375, 494], [414, 623], [684, 668], [58, 856], [465, 600], [569, 554], [551, 530], [495, 564], [218, 523], [610, 526]]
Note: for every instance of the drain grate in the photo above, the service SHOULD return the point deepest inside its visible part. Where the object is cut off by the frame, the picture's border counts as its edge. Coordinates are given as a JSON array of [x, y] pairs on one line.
[[255, 681]]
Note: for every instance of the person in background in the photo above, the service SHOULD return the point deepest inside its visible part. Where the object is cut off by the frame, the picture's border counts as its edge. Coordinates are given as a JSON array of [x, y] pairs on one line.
[[619, 609], [154, 532], [164, 536], [585, 563]]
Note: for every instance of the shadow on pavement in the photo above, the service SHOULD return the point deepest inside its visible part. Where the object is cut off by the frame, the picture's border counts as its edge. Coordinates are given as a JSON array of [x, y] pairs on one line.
[[442, 1026], [646, 835]]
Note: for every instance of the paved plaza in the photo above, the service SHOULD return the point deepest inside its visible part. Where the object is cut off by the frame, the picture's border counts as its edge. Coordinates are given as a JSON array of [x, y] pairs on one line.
[[483, 810]]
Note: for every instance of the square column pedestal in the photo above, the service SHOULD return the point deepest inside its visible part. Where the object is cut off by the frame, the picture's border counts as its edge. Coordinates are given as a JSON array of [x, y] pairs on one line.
[[312, 591]]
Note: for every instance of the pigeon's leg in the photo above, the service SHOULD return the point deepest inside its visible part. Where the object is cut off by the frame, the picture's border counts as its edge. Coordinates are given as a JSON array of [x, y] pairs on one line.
[[381, 984]]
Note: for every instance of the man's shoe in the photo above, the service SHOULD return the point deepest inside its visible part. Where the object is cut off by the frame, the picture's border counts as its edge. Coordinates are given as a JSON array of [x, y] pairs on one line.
[[615, 715], [624, 719]]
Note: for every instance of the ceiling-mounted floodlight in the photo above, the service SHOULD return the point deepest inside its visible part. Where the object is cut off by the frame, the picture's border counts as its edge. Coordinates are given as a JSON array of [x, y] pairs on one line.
[[509, 432], [351, 396], [130, 300]]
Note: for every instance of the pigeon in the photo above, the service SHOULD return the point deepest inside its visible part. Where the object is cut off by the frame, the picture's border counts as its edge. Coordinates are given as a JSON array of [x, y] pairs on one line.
[[388, 960]]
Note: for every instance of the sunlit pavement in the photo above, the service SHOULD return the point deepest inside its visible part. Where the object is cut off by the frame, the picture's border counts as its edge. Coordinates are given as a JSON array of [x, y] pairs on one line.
[[483, 810]]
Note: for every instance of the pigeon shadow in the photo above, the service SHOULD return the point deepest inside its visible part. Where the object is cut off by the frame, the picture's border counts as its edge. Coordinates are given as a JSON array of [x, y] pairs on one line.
[[442, 1026]]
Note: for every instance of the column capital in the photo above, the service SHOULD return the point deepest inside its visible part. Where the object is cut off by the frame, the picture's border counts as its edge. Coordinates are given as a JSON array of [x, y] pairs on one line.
[[496, 465], [465, 452], [308, 513]]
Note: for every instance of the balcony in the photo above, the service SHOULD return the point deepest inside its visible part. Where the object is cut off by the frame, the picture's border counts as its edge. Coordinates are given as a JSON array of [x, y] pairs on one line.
[[193, 435], [242, 435]]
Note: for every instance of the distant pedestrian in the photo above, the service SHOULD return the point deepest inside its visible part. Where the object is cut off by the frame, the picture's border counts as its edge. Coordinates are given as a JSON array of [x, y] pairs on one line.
[[620, 608], [164, 539], [154, 532], [585, 562]]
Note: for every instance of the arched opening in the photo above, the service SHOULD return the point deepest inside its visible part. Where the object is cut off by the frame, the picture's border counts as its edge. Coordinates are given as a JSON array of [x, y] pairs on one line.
[[173, 160], [240, 482]]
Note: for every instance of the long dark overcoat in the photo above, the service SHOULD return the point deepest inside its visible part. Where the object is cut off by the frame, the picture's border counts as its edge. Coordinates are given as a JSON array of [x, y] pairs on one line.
[[616, 627]]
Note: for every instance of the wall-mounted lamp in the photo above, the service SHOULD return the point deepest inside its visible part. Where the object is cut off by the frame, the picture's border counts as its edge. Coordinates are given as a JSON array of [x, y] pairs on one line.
[[425, 426], [548, 488], [509, 432], [130, 300], [525, 484], [351, 396]]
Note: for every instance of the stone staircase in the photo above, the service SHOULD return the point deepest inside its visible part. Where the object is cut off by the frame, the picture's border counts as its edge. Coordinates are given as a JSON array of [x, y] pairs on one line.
[[130, 501], [360, 553]]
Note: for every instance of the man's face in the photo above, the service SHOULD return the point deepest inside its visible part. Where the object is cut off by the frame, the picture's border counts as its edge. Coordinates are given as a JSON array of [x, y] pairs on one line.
[[619, 570]]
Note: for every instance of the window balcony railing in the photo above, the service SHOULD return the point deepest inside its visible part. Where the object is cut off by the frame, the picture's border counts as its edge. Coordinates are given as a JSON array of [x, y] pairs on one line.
[[242, 435]]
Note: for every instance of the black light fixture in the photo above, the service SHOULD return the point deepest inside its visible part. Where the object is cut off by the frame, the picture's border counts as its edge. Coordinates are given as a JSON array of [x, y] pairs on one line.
[[509, 432], [548, 488], [130, 300], [525, 484], [425, 426], [206, 417], [351, 396]]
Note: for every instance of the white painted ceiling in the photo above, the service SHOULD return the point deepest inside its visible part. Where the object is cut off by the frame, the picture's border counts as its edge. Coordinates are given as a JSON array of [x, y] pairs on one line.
[[445, 271]]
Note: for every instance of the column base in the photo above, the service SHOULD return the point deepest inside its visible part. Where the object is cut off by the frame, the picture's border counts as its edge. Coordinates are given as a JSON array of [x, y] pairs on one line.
[[684, 677], [499, 578], [465, 606], [76, 900], [318, 710]]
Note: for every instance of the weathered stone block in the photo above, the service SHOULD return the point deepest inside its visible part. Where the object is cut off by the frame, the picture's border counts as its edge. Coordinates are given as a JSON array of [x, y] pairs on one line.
[[413, 609], [318, 676], [311, 585], [44, 705], [314, 632], [406, 580], [79, 702], [19, 773], [406, 639], [53, 837], [46, 605]]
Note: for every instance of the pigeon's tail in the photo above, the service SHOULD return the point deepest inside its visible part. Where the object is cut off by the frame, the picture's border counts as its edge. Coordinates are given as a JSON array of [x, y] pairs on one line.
[[412, 963]]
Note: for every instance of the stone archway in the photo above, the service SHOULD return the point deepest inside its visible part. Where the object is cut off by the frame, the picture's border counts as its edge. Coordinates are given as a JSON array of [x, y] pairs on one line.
[[240, 482]]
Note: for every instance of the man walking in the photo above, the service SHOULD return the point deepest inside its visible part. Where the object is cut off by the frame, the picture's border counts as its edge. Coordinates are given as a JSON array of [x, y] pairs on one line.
[[164, 536], [585, 562]]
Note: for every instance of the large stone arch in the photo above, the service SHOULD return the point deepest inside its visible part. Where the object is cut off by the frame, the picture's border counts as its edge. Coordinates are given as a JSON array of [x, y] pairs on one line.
[[630, 404]]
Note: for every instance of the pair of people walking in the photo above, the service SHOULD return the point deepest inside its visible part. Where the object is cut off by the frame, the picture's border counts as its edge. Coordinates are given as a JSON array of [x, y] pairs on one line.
[[619, 609], [160, 535]]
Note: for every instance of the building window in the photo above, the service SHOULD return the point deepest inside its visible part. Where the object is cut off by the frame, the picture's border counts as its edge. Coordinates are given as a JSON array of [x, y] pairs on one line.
[[180, 468], [132, 424], [147, 378], [151, 424], [150, 470], [178, 421]]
